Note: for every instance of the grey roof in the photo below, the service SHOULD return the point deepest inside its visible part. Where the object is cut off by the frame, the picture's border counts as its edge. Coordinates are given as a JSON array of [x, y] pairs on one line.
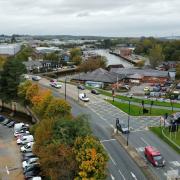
[[99, 75], [135, 76], [32, 64], [144, 72]]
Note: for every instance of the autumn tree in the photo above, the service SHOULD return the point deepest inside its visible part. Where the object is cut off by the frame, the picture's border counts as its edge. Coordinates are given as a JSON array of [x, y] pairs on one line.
[[41, 101], [91, 157], [156, 56], [58, 108], [75, 55], [3, 59], [93, 63], [31, 92], [22, 90]]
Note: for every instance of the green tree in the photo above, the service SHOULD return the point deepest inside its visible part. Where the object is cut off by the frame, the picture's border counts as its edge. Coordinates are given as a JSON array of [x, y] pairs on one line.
[[10, 79], [75, 55], [178, 71], [54, 56], [3, 59], [91, 157], [156, 56]]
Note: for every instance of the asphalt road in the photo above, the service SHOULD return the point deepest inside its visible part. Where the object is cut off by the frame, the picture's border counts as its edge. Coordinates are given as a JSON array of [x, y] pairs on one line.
[[120, 166], [102, 120]]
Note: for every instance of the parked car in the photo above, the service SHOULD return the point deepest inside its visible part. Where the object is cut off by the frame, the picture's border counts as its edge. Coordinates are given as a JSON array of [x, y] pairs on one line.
[[27, 148], [27, 156], [53, 80], [146, 89], [33, 167], [156, 88], [29, 162], [36, 78], [2, 118], [56, 85], [154, 156], [11, 124], [25, 139], [20, 126], [20, 133], [36, 178], [83, 97], [94, 91], [31, 174], [6, 121], [123, 128], [81, 87]]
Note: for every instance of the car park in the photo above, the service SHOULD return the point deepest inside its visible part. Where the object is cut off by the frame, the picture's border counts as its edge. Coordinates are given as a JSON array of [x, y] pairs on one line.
[[20, 126], [83, 97], [36, 78], [29, 162], [122, 128], [154, 156], [56, 85], [94, 91], [10, 124], [27, 148], [25, 139], [81, 87]]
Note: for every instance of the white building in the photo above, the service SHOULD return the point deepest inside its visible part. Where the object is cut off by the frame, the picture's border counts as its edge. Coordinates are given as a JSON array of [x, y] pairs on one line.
[[9, 49], [47, 49]]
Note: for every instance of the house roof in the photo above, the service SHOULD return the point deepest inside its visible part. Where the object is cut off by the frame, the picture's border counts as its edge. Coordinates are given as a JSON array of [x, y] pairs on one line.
[[32, 63], [135, 76], [99, 75], [144, 72]]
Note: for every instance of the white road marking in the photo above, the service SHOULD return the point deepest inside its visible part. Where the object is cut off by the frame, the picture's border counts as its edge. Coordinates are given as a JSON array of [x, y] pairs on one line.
[[106, 140], [175, 163], [7, 170], [133, 175], [122, 175], [145, 141], [112, 177], [114, 162], [140, 149]]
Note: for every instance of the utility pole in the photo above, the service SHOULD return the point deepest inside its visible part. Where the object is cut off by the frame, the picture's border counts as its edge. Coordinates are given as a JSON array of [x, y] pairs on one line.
[[65, 88], [128, 121]]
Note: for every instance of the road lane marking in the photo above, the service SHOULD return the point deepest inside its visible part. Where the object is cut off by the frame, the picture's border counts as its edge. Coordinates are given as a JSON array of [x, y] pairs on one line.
[[106, 140], [7, 170], [112, 177], [145, 141], [133, 175], [121, 175]]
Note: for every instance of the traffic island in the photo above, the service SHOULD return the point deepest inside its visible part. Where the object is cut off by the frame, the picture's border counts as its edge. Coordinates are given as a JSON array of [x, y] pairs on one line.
[[135, 156]]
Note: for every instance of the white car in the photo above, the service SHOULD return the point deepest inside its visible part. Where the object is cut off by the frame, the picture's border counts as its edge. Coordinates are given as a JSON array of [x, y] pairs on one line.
[[27, 148], [83, 97], [25, 139], [36, 178], [36, 78], [21, 133], [56, 84], [29, 162]]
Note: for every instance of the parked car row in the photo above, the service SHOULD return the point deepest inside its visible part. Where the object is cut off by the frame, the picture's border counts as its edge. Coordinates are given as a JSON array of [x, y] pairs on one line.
[[30, 162]]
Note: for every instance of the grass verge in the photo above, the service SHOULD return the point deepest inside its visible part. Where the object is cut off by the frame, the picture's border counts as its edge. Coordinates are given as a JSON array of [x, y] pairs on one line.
[[158, 132], [137, 110]]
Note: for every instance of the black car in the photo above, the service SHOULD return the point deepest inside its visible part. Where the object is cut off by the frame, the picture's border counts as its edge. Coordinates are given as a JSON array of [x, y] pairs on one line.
[[94, 91], [32, 173], [2, 118], [81, 87], [123, 128], [6, 121], [11, 124], [32, 167], [27, 156]]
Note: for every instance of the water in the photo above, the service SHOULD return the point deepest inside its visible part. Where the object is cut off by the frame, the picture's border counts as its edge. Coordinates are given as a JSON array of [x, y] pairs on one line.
[[112, 59]]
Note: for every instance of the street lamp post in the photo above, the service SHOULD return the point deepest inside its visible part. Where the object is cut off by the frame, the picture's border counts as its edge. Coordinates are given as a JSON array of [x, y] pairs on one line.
[[128, 122], [65, 88]]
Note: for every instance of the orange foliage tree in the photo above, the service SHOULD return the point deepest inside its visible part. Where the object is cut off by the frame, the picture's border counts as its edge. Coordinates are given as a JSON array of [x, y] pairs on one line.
[[91, 157], [31, 92]]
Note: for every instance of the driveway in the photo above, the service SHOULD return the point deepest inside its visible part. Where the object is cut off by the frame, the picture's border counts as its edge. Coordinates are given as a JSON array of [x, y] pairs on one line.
[[10, 157]]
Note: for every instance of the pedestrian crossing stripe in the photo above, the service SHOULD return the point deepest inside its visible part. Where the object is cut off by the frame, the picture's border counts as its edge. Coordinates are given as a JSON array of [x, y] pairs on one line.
[[175, 163], [140, 149]]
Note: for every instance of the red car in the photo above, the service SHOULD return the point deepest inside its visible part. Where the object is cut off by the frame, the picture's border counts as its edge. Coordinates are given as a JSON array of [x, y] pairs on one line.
[[154, 156]]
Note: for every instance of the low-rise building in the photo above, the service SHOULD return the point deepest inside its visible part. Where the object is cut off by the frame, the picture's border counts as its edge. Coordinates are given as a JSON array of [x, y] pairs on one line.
[[9, 49]]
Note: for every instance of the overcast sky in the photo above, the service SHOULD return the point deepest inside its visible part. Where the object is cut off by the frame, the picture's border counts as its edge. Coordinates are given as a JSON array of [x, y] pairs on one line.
[[91, 17]]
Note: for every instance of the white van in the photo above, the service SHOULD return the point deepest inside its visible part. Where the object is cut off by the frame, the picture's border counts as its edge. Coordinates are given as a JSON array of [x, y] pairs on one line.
[[25, 139], [27, 148], [19, 126]]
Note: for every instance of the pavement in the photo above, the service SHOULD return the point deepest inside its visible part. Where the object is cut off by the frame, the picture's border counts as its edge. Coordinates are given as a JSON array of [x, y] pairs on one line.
[[10, 158], [103, 116]]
